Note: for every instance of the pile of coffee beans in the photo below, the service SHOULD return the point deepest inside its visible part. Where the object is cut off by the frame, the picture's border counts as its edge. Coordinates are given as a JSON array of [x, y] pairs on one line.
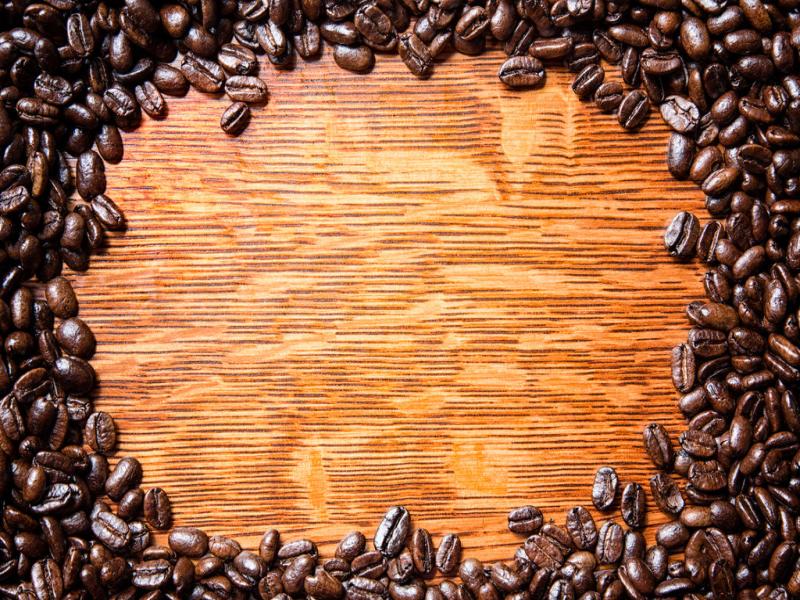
[[74, 74]]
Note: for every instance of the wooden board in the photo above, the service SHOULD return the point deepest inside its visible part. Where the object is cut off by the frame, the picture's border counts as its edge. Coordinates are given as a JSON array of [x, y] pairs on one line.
[[444, 294]]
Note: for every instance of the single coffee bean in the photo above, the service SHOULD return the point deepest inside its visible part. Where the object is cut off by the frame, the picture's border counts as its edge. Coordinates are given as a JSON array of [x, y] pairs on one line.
[[633, 110], [680, 237], [604, 490], [448, 555], [525, 520], [522, 72], [632, 505], [393, 531]]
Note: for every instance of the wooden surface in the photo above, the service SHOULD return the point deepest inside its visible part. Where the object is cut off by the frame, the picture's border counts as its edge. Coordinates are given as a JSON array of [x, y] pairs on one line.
[[444, 294]]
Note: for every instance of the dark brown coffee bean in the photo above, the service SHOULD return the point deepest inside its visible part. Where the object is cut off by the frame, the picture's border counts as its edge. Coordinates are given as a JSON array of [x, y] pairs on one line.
[[246, 88], [632, 505], [354, 58], [448, 555], [522, 72], [588, 81], [525, 520], [582, 528], [604, 489], [633, 110], [157, 509], [658, 445], [608, 96], [100, 433], [393, 531], [235, 118], [415, 54], [188, 541]]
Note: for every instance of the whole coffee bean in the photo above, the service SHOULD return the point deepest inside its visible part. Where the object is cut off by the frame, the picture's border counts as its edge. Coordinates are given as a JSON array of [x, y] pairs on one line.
[[605, 487], [423, 554], [90, 175], [76, 338], [61, 298], [235, 118], [522, 72], [393, 531], [246, 88], [354, 58], [666, 494], [351, 546], [608, 96], [125, 475], [112, 531], [632, 505], [683, 368], [525, 520], [658, 445], [681, 235], [100, 433], [448, 555], [588, 81], [157, 509], [633, 110], [609, 543], [188, 541], [582, 528], [415, 54]]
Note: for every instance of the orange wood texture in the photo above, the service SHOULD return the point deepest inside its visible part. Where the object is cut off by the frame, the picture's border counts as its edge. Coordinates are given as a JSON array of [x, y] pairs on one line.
[[445, 294]]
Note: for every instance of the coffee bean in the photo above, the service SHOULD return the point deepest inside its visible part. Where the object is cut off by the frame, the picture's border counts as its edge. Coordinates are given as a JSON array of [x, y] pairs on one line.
[[658, 445], [633, 110], [632, 505], [391, 534], [188, 541], [681, 236], [525, 520], [354, 58], [246, 88], [448, 555], [522, 72], [582, 528], [588, 81], [157, 509], [604, 490], [235, 118]]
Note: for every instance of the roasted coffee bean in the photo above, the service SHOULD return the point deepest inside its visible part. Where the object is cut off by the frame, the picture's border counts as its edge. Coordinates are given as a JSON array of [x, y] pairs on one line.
[[604, 490], [75, 338], [235, 118], [633, 110], [522, 72], [608, 96], [393, 531], [588, 81], [448, 555], [157, 509], [632, 505], [354, 58], [100, 433], [609, 543], [188, 541], [582, 528], [415, 54], [525, 520], [246, 88], [681, 236]]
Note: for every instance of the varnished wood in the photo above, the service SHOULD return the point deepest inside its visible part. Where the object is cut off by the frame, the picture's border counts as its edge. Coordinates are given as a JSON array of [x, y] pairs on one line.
[[444, 294]]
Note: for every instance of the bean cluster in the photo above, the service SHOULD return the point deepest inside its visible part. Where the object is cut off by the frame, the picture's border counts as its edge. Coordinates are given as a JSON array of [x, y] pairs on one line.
[[74, 74]]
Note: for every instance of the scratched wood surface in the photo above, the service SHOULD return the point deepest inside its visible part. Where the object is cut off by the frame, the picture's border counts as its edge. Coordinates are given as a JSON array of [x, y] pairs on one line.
[[444, 294]]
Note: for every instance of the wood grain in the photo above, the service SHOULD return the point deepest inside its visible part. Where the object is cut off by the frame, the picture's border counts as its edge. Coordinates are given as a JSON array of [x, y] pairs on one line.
[[444, 294]]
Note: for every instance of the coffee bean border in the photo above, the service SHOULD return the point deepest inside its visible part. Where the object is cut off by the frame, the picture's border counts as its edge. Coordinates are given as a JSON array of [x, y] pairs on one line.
[[75, 73]]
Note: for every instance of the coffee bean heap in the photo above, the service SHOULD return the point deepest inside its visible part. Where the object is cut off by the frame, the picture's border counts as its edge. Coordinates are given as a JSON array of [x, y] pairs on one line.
[[74, 74]]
